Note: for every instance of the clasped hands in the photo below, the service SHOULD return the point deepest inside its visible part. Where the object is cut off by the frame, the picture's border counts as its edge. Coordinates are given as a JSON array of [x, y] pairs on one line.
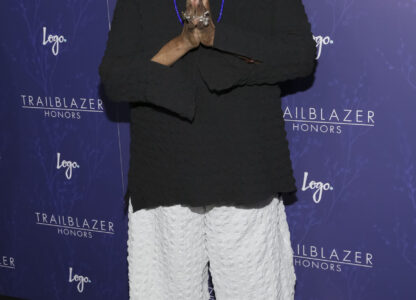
[[198, 25], [195, 31]]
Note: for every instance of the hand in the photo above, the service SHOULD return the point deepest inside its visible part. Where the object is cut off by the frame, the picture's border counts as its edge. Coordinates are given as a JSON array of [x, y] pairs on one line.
[[194, 31], [190, 36], [189, 33], [206, 33]]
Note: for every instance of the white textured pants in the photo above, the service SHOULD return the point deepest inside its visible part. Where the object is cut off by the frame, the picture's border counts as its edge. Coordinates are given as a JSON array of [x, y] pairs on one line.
[[249, 251]]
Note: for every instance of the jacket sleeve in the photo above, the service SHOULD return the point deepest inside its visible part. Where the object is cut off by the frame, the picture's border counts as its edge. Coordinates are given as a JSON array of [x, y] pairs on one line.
[[128, 74], [287, 53]]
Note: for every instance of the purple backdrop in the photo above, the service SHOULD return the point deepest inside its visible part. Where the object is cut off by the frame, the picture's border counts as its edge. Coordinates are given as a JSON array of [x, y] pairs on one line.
[[64, 155]]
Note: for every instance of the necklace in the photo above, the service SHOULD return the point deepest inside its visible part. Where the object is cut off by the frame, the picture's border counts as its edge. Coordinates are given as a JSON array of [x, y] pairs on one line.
[[180, 19]]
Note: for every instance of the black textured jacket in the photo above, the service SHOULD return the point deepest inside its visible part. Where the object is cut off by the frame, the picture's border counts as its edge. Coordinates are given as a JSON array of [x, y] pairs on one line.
[[209, 128]]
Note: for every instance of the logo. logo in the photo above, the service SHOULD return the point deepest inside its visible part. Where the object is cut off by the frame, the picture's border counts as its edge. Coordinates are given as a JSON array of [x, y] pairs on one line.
[[55, 40], [320, 42], [69, 165], [78, 278], [318, 186]]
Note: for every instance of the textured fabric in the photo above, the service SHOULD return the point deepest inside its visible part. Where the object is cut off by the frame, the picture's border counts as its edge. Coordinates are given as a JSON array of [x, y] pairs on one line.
[[287, 52], [248, 249], [210, 128], [128, 74]]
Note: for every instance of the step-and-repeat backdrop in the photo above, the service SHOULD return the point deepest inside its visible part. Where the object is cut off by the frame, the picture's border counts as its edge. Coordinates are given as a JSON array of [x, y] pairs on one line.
[[64, 154]]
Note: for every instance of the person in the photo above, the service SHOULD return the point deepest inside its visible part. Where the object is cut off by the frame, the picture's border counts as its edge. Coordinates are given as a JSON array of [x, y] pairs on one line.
[[209, 157]]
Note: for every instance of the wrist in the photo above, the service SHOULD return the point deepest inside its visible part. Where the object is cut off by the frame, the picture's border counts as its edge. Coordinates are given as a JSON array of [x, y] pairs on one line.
[[184, 43]]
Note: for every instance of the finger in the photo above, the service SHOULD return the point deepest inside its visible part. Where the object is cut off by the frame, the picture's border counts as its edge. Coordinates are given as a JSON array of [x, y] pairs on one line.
[[200, 8], [195, 8], [205, 3], [194, 3], [190, 10], [200, 25], [191, 26], [191, 6]]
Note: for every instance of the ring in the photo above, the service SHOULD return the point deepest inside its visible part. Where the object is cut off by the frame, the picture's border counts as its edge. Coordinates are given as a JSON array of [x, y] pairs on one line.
[[204, 19]]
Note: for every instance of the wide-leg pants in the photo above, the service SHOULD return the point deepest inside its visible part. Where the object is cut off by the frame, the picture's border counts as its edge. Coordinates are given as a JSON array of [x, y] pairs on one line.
[[248, 249]]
